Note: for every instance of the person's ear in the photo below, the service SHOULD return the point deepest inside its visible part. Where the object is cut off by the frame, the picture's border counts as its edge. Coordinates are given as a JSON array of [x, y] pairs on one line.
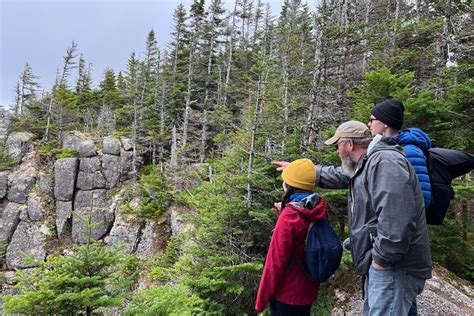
[[351, 144]]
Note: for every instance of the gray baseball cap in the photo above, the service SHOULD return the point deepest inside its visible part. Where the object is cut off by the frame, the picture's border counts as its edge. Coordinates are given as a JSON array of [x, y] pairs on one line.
[[350, 129]]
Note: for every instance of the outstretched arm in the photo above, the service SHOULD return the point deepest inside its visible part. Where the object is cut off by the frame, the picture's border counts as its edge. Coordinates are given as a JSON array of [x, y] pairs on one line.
[[328, 177]]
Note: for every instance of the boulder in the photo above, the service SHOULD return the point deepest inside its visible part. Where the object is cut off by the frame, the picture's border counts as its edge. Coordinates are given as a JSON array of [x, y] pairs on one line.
[[7, 283], [35, 207], [10, 220], [177, 223], [3, 183], [20, 185], [64, 178], [45, 183], [124, 235], [127, 143], [28, 240], [89, 165], [126, 160], [111, 146], [154, 238], [87, 149], [19, 143], [71, 142], [110, 162], [443, 294], [90, 181], [92, 207], [112, 179], [63, 214]]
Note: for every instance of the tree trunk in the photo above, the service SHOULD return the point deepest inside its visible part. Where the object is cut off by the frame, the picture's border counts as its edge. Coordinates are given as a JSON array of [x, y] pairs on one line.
[[229, 56], [174, 148], [187, 108]]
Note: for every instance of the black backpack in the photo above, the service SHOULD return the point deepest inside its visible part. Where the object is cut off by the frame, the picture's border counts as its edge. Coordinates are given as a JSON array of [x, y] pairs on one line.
[[444, 165], [322, 250]]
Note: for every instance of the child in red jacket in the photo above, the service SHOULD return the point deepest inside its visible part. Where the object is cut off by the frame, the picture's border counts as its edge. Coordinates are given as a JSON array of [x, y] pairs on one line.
[[284, 284]]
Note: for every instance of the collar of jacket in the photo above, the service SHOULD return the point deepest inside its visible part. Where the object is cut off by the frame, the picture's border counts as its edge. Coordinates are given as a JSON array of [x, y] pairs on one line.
[[299, 196], [309, 202], [379, 143]]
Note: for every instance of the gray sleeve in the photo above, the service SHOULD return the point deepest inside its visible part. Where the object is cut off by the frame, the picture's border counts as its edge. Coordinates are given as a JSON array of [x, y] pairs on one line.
[[392, 192], [330, 177]]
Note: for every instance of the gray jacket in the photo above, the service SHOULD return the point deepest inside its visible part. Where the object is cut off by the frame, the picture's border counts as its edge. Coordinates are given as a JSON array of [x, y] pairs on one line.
[[386, 210]]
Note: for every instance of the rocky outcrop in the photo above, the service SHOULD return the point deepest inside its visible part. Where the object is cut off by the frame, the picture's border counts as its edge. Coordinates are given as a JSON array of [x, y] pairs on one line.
[[20, 184], [111, 146], [177, 224], [19, 143], [36, 211], [45, 207], [111, 165], [45, 183], [71, 142], [126, 160], [89, 165], [154, 238], [125, 234], [63, 216], [92, 212], [127, 144], [65, 178], [27, 241], [90, 181], [87, 149], [444, 294], [3, 183], [10, 220]]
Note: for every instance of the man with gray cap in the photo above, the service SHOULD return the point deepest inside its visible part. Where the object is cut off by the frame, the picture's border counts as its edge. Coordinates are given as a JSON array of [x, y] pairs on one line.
[[388, 232]]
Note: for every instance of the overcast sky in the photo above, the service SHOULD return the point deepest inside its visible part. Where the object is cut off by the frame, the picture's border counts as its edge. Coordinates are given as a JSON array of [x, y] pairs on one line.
[[106, 31]]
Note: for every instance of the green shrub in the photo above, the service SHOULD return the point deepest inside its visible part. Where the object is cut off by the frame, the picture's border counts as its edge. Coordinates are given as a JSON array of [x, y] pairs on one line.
[[449, 248], [165, 300], [90, 278], [51, 150], [154, 196], [324, 303]]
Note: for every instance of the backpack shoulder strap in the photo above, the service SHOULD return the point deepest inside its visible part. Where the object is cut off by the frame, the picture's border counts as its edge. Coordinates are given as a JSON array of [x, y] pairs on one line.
[[311, 223]]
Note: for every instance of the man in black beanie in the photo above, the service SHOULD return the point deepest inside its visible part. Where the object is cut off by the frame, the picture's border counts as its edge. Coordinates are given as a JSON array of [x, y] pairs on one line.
[[387, 118]]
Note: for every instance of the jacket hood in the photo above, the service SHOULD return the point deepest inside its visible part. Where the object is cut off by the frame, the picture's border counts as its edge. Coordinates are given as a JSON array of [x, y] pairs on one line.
[[313, 207], [414, 136], [380, 142]]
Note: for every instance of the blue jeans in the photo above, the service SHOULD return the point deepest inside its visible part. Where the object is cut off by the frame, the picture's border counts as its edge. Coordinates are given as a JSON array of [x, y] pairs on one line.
[[390, 292]]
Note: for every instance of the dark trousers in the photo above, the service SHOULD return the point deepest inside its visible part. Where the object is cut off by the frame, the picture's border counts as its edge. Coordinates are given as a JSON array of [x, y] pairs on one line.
[[281, 309]]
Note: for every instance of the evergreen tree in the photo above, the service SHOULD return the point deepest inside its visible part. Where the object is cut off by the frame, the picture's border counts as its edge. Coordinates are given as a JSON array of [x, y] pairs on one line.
[[26, 90], [90, 278]]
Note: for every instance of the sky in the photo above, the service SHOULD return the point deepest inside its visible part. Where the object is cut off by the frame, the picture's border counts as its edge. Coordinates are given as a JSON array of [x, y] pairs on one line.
[[106, 31]]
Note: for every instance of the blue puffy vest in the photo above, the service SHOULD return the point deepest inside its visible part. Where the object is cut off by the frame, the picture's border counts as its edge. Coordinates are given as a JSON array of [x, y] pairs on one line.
[[415, 142]]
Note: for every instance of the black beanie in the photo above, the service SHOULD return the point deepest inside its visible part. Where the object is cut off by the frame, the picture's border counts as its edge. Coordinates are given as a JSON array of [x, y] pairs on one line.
[[389, 112]]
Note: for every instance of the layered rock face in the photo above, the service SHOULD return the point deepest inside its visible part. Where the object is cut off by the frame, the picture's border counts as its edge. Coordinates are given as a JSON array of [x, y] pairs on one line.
[[42, 208]]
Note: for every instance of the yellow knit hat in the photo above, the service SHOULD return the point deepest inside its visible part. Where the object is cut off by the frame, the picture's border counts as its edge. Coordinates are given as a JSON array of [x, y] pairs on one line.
[[300, 174]]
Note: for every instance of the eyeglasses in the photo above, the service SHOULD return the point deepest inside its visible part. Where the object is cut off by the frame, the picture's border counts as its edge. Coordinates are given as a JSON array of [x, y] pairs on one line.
[[372, 119]]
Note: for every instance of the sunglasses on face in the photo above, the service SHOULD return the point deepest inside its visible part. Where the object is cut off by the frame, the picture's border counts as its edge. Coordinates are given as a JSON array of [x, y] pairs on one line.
[[372, 119]]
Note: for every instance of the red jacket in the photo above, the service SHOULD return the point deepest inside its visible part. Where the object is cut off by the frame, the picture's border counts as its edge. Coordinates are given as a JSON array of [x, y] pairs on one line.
[[281, 279]]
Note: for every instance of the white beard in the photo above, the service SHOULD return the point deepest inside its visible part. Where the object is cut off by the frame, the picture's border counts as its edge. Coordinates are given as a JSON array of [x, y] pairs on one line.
[[348, 166]]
